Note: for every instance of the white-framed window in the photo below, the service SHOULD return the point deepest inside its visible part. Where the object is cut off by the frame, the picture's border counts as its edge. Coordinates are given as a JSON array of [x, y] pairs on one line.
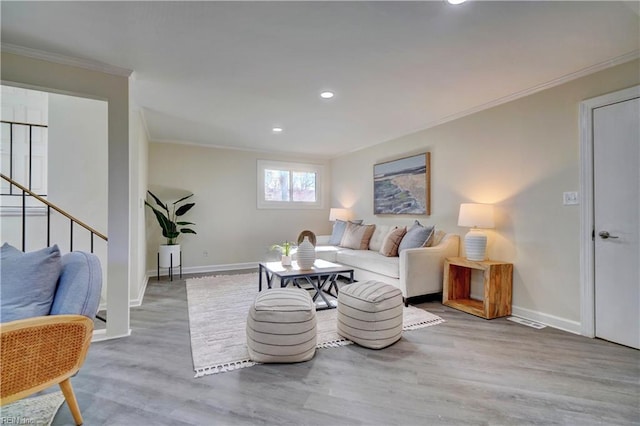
[[288, 185]]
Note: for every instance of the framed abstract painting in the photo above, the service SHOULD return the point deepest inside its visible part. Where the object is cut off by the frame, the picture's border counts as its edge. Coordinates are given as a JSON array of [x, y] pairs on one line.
[[403, 186]]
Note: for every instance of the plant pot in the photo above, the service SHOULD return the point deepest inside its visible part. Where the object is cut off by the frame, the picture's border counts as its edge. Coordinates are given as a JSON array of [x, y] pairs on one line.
[[285, 260], [166, 253]]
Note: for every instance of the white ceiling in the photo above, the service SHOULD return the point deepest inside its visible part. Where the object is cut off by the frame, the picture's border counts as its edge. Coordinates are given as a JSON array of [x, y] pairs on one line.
[[225, 73]]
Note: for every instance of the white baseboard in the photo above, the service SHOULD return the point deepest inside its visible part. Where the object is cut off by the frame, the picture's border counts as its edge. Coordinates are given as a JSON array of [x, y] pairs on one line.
[[133, 302], [547, 319], [208, 268], [138, 300]]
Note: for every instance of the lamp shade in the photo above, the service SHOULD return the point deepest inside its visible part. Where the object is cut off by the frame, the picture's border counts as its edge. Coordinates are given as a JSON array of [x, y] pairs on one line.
[[476, 215], [338, 214]]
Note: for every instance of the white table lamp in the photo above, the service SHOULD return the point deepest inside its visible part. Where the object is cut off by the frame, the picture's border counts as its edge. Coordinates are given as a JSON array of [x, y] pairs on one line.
[[338, 214], [476, 216]]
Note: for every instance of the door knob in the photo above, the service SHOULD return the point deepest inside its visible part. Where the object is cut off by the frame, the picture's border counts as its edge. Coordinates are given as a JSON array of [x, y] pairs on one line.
[[604, 235]]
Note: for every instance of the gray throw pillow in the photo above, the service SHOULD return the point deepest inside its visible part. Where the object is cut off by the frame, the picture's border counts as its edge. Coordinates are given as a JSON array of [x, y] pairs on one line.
[[27, 282], [416, 236], [338, 231]]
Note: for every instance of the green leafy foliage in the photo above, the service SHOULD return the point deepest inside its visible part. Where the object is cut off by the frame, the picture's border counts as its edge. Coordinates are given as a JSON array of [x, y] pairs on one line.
[[167, 217], [284, 248]]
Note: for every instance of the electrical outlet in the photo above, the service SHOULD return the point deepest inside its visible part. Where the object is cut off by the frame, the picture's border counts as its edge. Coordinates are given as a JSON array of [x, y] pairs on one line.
[[569, 198], [205, 254]]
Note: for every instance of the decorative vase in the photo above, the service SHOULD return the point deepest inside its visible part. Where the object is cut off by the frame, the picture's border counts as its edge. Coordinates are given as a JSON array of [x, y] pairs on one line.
[[285, 260], [169, 255], [306, 254]]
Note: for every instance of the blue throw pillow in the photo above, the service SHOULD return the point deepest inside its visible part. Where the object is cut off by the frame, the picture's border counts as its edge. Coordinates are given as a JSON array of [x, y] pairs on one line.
[[27, 282], [416, 236], [338, 231], [79, 285]]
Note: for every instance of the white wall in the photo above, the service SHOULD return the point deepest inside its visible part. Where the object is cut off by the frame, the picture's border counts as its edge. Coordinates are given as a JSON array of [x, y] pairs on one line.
[[78, 161], [520, 156], [139, 154], [78, 172], [231, 230], [60, 78]]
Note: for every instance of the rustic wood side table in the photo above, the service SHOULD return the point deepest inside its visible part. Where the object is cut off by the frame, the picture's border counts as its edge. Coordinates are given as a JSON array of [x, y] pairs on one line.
[[497, 282]]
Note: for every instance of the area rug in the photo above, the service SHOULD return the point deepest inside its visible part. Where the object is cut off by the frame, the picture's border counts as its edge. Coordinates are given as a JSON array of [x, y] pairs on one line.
[[37, 410], [218, 308]]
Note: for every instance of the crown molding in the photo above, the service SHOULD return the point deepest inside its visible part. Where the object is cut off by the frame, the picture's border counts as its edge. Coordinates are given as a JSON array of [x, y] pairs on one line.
[[619, 60], [239, 148], [635, 54], [66, 60]]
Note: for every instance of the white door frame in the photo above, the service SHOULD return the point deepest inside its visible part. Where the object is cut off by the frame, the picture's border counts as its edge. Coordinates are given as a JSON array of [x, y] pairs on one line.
[[587, 243]]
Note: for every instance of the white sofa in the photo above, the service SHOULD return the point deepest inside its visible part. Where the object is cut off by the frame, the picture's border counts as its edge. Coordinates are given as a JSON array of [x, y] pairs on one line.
[[416, 271]]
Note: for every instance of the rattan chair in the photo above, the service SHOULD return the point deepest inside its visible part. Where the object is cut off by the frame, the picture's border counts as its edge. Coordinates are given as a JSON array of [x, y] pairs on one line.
[[42, 351], [39, 352]]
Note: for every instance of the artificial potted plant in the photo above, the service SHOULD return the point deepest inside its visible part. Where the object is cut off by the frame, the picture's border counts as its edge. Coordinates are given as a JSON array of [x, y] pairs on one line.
[[167, 216], [285, 251]]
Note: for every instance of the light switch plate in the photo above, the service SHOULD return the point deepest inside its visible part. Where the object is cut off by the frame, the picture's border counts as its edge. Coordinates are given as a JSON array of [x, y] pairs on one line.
[[569, 198]]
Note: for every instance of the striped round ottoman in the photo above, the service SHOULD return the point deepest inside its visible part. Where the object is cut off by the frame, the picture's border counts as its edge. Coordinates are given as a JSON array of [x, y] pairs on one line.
[[281, 326], [370, 314]]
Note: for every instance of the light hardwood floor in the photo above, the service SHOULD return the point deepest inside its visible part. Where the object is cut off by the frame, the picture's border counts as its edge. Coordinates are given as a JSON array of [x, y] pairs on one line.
[[465, 371]]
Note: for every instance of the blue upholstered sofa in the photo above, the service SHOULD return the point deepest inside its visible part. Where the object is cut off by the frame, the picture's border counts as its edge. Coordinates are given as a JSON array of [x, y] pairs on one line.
[[43, 282]]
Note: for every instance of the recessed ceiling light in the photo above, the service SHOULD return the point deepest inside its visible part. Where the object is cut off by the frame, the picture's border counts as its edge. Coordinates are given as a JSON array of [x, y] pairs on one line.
[[327, 94], [277, 130], [455, 1]]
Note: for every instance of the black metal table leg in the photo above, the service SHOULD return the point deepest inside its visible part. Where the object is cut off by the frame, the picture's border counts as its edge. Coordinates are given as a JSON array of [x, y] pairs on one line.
[[318, 289], [269, 278], [333, 284]]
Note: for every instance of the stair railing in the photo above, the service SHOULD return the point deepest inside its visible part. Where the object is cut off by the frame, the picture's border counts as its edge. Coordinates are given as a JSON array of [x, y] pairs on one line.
[[50, 206], [30, 126]]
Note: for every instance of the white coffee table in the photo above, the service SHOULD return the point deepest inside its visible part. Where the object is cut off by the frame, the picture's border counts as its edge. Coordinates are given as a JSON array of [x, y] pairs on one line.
[[322, 277]]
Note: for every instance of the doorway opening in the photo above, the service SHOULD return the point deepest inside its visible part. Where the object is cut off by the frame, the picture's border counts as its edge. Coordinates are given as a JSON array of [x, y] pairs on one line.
[[56, 146]]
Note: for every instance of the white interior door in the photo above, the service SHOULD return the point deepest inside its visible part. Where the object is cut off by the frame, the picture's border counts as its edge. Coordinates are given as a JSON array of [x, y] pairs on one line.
[[616, 173]]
